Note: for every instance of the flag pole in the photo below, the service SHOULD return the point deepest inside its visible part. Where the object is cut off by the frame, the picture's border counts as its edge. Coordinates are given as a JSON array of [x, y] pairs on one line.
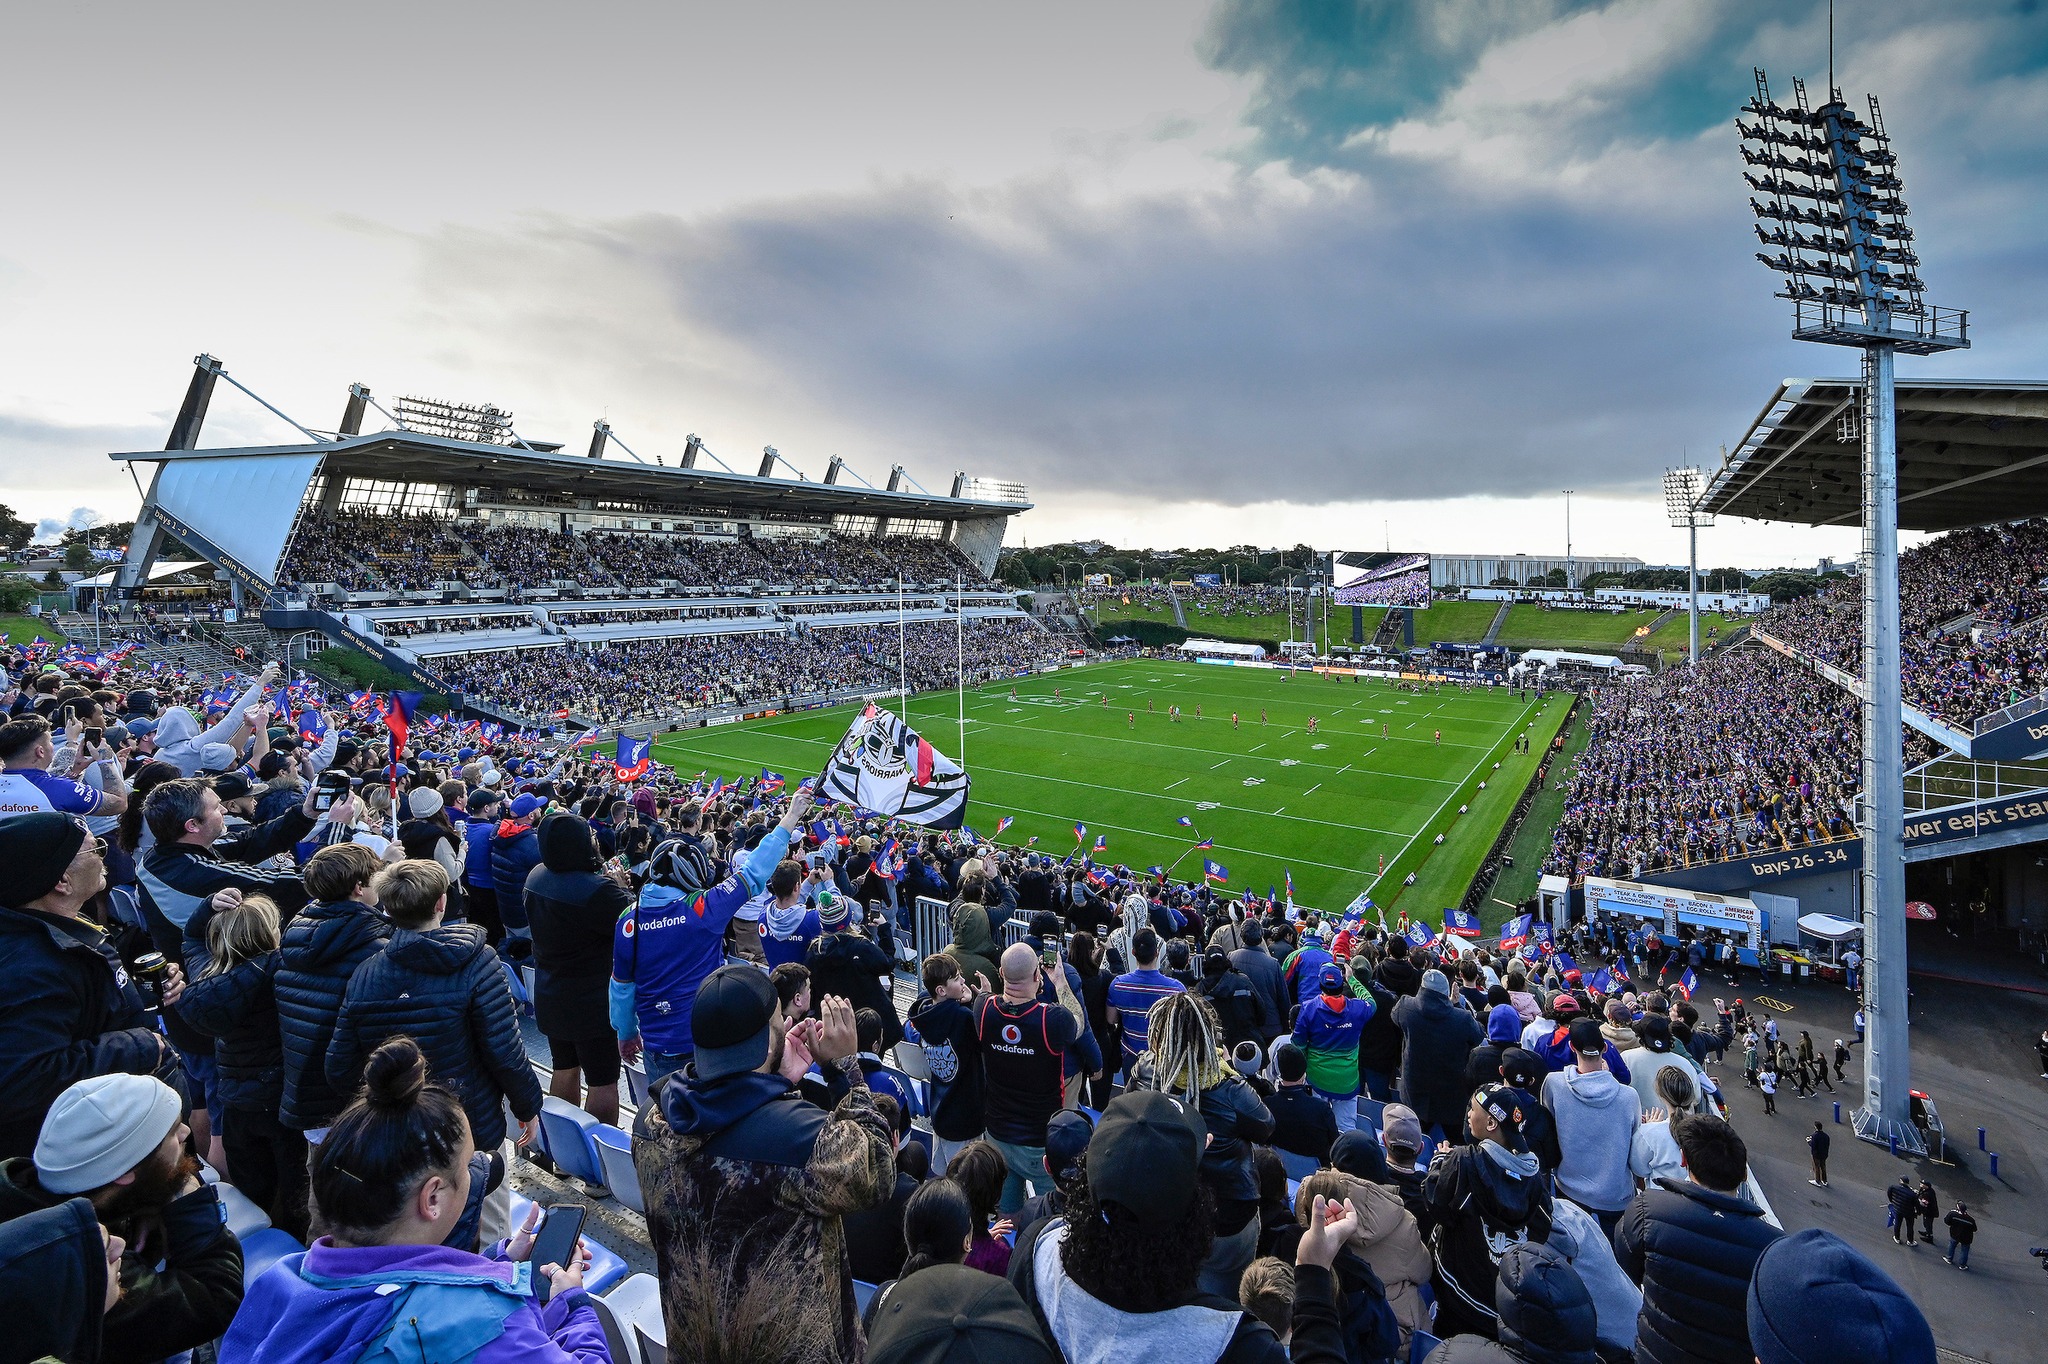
[[960, 659], [902, 668]]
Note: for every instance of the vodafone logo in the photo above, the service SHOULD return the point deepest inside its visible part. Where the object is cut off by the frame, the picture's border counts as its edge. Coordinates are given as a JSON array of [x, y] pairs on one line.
[[626, 926], [1012, 1034]]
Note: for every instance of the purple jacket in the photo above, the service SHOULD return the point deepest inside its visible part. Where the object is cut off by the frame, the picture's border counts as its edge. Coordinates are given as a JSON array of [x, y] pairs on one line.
[[324, 1306]]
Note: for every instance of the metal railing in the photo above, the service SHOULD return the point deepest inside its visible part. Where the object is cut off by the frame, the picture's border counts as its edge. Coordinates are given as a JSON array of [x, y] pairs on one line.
[[2017, 711], [1963, 781]]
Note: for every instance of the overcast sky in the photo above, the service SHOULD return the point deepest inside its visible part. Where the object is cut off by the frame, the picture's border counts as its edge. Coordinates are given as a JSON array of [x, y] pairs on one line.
[[1196, 274]]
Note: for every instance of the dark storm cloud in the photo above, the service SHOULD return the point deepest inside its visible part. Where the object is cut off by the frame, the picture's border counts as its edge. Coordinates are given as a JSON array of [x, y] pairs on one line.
[[1413, 326]]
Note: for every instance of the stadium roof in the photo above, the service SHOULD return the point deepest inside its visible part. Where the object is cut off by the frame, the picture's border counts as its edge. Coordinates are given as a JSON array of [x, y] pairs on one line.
[[412, 456], [1971, 452]]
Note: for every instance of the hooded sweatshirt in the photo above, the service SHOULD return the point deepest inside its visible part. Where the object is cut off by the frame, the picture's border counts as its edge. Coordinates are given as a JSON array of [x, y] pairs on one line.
[[382, 1304], [1596, 1126], [973, 945], [1387, 1239], [180, 739], [53, 1283], [1327, 1029], [787, 934]]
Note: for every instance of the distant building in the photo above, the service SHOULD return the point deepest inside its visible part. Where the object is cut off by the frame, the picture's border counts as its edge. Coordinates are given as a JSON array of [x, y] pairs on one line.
[[1478, 570]]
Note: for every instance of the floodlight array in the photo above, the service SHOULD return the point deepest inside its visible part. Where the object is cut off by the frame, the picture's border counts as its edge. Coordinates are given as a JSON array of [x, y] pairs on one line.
[[1682, 491], [482, 424], [1836, 209]]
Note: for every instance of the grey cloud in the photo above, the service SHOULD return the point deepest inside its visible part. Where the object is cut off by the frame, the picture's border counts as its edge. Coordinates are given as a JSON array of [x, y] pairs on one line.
[[37, 454]]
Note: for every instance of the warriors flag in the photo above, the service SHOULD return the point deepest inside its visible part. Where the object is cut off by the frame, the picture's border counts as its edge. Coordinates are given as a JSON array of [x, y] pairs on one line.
[[885, 766]]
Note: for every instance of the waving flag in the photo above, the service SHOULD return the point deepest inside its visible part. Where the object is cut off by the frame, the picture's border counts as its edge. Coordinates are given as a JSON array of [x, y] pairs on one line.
[[312, 728], [1031, 842], [1420, 935], [1005, 822], [1566, 965], [1156, 870], [398, 717], [771, 782], [631, 761], [1102, 842], [1687, 983], [1602, 981], [1542, 933], [1080, 834], [1185, 822], [885, 766], [587, 739], [1515, 931], [1214, 871], [1205, 844], [885, 861], [1462, 922], [1288, 877]]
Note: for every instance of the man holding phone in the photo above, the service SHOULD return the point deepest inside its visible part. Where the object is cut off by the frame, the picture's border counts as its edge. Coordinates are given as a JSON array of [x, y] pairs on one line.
[[27, 785]]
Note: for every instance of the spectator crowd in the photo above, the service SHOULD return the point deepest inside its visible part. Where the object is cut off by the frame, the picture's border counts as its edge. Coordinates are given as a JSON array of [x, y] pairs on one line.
[[248, 965]]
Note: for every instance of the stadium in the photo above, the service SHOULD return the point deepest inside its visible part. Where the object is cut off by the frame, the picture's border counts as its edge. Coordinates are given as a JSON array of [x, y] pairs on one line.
[[472, 892]]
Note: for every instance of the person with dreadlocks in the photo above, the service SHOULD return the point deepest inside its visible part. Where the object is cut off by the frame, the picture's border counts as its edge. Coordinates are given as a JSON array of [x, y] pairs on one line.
[[1136, 913], [1185, 1058], [673, 938]]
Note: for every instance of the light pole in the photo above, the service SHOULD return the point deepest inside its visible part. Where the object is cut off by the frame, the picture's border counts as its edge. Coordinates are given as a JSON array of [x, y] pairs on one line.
[[1833, 206], [1682, 489], [1570, 569]]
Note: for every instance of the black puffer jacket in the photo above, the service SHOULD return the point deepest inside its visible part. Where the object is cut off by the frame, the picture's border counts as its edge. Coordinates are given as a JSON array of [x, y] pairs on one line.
[[238, 1009], [852, 967], [1694, 1251], [445, 990], [1441, 1037], [1546, 1315], [71, 1012], [323, 946], [572, 910]]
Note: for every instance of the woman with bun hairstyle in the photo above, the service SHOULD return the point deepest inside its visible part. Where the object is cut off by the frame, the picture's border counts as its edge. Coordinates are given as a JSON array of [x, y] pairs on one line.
[[391, 1180]]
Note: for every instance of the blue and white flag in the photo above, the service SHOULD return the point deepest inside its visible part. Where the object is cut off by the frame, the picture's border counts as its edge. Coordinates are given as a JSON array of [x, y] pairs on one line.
[[1420, 934], [1462, 922], [1515, 931]]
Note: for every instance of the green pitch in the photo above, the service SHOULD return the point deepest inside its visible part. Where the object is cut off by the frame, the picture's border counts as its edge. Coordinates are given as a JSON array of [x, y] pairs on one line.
[[1372, 782]]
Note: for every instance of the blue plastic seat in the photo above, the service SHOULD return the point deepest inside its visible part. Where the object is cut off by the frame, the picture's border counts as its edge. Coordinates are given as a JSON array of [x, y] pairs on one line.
[[605, 1268], [262, 1250], [636, 1082], [244, 1218], [863, 1294], [1422, 1344], [567, 1132], [1299, 1167], [615, 1155]]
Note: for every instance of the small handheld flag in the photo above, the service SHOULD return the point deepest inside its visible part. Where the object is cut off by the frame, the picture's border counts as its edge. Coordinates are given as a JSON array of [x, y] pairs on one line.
[[1185, 822], [1205, 844], [1419, 934], [1005, 822], [1080, 834], [1462, 922], [1602, 981], [1214, 871], [1102, 842], [1688, 982], [1516, 932], [1288, 877], [771, 782]]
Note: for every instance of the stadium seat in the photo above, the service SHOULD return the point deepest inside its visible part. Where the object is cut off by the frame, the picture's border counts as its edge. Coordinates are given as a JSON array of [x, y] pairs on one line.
[[636, 1082], [1422, 1344], [1373, 1111], [635, 1307], [920, 1103], [863, 1294], [615, 1343], [910, 1059], [517, 981], [653, 1349], [923, 1136], [566, 1132], [264, 1249], [1299, 1167], [615, 1155], [605, 1269], [244, 1218]]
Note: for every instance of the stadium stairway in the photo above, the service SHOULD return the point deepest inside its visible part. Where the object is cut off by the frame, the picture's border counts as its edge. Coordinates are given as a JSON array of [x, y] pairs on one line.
[[1180, 615], [1500, 619]]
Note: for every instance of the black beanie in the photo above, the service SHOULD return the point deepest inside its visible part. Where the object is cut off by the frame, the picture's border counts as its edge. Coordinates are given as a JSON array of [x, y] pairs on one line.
[[35, 852], [950, 1314]]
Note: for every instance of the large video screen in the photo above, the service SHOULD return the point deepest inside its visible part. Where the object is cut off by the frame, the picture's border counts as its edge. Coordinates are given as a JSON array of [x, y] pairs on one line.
[[1380, 578]]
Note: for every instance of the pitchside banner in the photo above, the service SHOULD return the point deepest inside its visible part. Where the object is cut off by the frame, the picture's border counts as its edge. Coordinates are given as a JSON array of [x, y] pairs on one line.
[[884, 766]]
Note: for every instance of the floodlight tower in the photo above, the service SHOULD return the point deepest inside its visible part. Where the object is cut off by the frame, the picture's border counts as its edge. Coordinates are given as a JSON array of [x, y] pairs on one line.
[[1834, 209], [1682, 489]]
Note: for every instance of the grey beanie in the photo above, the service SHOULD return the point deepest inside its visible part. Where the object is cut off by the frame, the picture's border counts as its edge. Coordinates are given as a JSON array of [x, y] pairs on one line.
[[101, 1128], [1435, 981]]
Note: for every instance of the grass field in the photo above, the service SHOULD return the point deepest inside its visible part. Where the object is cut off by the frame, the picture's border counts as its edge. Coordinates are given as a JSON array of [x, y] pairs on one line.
[[22, 629], [1327, 807]]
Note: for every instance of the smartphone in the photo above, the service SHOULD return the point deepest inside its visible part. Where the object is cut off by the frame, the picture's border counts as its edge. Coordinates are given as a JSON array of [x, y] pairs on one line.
[[1050, 957], [93, 737], [555, 1244]]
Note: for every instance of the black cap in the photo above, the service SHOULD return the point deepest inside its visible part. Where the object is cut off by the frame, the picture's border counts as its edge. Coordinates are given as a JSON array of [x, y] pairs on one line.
[[1503, 1103], [1522, 1069], [1588, 1040], [1146, 1156], [1654, 1032], [234, 785], [950, 1314], [729, 1021], [35, 852], [1066, 1141]]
